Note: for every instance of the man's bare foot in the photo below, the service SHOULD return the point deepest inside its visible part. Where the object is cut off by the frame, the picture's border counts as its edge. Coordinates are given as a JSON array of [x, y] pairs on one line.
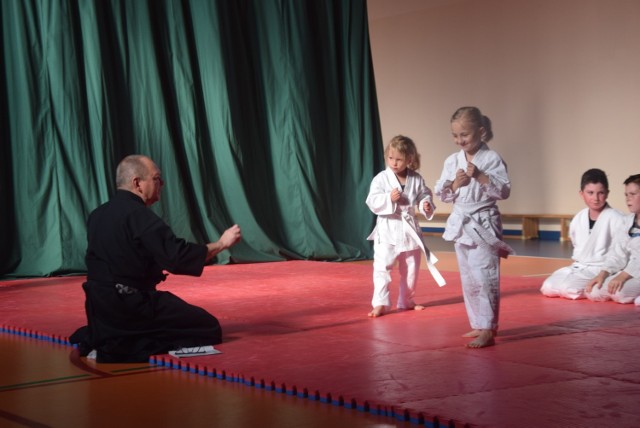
[[378, 311], [419, 308], [485, 338]]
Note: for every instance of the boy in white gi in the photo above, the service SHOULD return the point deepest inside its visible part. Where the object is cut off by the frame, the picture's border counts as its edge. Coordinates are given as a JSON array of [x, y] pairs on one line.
[[393, 196], [619, 279], [473, 179], [591, 232]]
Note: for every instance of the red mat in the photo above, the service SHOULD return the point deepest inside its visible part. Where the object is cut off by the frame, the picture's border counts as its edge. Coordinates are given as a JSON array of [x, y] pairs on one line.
[[301, 328]]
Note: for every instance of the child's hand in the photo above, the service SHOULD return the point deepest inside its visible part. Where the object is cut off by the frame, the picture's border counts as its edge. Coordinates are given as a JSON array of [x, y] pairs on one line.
[[617, 282], [396, 194], [596, 282], [462, 179], [426, 206], [472, 170]]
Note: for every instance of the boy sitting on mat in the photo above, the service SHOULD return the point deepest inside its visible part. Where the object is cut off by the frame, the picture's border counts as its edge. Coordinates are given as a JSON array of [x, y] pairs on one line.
[[591, 232]]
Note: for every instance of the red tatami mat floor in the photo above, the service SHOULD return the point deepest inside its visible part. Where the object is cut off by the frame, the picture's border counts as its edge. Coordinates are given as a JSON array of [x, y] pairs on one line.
[[300, 329]]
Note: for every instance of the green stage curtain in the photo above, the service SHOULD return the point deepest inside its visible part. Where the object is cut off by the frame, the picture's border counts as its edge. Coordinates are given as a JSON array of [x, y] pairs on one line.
[[258, 112]]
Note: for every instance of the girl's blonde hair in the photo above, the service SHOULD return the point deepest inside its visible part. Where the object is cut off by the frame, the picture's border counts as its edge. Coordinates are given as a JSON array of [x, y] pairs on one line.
[[477, 119], [406, 147]]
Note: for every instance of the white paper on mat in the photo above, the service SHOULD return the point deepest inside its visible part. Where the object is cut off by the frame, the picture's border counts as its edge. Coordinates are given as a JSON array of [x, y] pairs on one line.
[[194, 351]]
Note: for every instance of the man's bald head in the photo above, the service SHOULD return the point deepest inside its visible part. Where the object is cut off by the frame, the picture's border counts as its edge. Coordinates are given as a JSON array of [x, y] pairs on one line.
[[133, 166], [140, 175]]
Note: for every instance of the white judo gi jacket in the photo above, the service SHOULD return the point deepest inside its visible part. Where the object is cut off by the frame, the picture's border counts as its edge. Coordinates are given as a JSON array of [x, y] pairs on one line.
[[397, 223], [475, 218], [625, 253], [590, 247]]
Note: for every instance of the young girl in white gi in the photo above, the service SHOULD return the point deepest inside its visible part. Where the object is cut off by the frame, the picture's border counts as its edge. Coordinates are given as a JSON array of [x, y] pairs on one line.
[[393, 197], [473, 179], [591, 232], [619, 279]]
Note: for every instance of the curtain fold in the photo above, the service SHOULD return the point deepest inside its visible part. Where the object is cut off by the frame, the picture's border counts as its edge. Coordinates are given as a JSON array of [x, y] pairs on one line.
[[260, 113]]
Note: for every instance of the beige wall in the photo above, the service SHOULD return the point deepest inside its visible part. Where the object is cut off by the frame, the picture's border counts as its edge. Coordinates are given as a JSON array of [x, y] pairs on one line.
[[560, 79]]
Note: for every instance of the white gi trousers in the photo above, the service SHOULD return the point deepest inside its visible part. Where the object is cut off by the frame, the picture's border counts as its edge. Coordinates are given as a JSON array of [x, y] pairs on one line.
[[384, 258], [629, 292], [623, 256], [569, 282], [480, 276]]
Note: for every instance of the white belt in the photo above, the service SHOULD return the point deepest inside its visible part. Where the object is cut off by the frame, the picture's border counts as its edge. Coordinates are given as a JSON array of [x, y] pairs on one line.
[[407, 220], [483, 238]]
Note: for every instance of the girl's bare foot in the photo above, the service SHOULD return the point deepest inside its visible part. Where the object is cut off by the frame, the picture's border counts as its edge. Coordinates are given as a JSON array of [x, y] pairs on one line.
[[485, 338], [476, 332], [418, 308], [378, 311]]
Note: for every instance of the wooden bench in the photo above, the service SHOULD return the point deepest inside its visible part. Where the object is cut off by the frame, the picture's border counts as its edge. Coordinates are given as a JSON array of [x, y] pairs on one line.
[[529, 223]]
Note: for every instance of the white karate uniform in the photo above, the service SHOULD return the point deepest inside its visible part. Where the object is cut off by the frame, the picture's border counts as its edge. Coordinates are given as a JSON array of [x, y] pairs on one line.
[[589, 250], [475, 226], [397, 235], [623, 256]]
